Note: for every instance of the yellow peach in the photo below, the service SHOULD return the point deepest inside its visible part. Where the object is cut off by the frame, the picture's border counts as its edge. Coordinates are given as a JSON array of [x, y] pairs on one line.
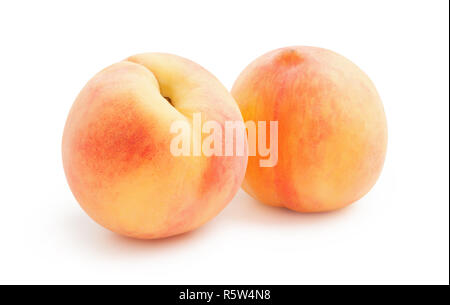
[[116, 147], [332, 132]]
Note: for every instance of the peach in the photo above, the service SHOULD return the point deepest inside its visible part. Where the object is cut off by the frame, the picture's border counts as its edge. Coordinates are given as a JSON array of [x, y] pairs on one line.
[[116, 147], [332, 132]]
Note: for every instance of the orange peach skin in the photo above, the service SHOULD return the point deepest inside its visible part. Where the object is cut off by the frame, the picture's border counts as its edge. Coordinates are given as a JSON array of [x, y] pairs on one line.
[[332, 128], [116, 147]]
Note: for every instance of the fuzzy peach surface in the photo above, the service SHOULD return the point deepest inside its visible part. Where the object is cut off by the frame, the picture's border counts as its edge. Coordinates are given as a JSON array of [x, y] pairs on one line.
[[116, 147], [332, 134]]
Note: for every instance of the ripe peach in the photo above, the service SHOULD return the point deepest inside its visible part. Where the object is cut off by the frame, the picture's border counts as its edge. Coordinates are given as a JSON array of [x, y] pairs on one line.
[[332, 128], [116, 147]]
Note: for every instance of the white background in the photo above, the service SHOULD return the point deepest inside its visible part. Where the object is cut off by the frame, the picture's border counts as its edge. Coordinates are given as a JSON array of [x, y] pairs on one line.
[[398, 233]]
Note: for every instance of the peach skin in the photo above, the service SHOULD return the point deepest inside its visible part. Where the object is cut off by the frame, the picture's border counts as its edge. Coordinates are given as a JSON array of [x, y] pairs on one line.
[[332, 132], [116, 147]]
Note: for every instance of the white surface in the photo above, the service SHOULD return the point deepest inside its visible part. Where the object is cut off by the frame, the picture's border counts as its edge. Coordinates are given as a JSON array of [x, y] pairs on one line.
[[398, 233]]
